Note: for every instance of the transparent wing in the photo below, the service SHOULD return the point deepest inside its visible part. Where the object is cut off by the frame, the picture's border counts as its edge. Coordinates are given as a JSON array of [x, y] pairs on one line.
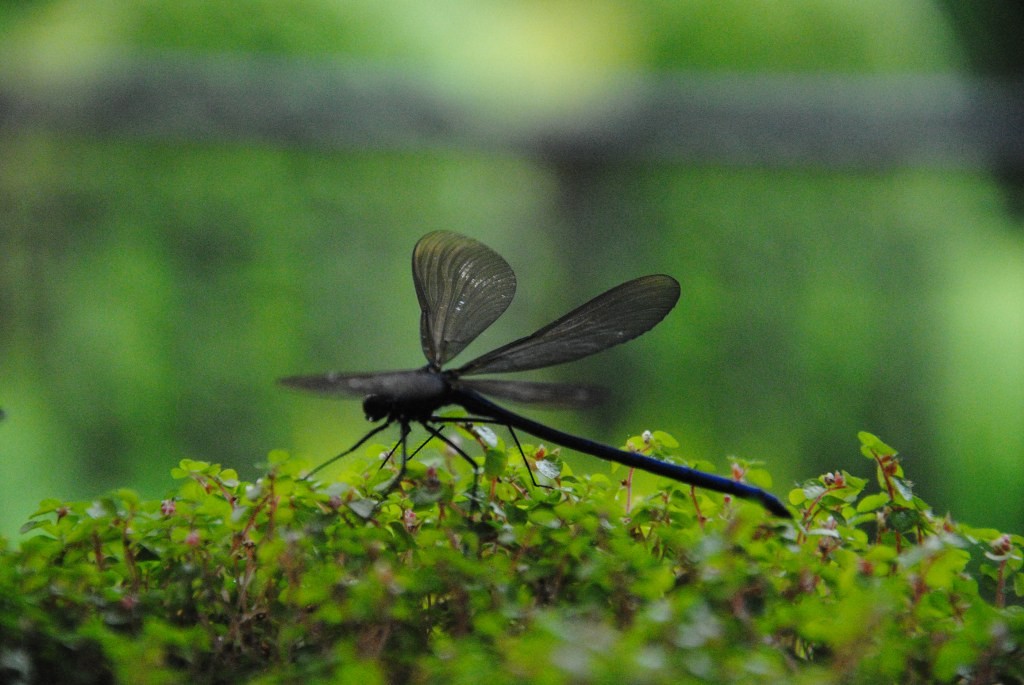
[[613, 317], [565, 395], [357, 385], [462, 286]]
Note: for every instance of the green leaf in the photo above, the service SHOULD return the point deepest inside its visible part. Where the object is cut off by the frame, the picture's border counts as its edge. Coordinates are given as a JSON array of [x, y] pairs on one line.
[[870, 446], [544, 517], [1018, 584], [495, 463], [549, 468], [102, 508], [277, 457], [942, 570], [904, 489], [426, 493], [665, 440], [951, 657], [873, 502], [758, 477], [812, 491], [34, 524], [363, 508], [904, 520], [47, 506]]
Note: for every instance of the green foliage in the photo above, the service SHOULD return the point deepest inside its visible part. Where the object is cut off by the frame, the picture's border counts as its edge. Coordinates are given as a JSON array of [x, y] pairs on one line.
[[292, 580]]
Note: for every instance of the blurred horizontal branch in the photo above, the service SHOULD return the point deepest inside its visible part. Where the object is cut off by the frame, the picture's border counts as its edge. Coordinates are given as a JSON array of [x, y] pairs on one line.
[[824, 120]]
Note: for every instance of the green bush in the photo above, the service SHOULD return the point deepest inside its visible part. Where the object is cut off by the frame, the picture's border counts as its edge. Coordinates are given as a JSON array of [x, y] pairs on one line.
[[578, 581]]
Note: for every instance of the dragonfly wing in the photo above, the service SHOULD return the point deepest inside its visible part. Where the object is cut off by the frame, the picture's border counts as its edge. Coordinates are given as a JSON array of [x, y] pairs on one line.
[[613, 317], [564, 395], [355, 385], [462, 286]]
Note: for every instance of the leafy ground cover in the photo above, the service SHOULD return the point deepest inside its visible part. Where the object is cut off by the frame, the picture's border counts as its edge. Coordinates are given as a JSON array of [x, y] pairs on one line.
[[581, 580]]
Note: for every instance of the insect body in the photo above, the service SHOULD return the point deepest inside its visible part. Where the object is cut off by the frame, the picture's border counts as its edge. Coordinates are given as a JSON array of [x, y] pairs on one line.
[[463, 287]]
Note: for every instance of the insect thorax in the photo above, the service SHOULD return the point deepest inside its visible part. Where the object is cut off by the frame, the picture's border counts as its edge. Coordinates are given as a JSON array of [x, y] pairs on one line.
[[408, 395]]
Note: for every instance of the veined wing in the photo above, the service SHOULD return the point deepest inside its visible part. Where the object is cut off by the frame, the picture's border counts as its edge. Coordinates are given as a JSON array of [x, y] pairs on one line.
[[564, 395], [613, 317], [408, 384], [462, 286]]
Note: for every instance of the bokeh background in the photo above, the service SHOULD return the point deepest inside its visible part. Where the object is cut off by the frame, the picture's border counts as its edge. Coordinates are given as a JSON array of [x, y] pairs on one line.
[[199, 197]]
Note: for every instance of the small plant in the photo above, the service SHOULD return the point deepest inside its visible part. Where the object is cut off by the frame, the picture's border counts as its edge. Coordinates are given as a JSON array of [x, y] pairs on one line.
[[293, 580]]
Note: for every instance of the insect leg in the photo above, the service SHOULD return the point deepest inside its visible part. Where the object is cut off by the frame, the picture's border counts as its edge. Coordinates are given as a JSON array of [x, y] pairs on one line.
[[350, 450], [390, 485], [387, 457], [458, 450], [515, 438]]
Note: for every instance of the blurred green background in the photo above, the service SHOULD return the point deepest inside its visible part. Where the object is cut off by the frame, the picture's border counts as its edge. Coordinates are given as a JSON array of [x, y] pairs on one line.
[[160, 268]]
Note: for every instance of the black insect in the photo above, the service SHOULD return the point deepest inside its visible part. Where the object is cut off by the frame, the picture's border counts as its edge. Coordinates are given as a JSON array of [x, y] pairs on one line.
[[463, 286]]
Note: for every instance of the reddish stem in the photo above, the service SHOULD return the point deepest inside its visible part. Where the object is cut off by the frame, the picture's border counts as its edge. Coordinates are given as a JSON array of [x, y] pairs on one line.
[[629, 491], [696, 506], [1000, 600]]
